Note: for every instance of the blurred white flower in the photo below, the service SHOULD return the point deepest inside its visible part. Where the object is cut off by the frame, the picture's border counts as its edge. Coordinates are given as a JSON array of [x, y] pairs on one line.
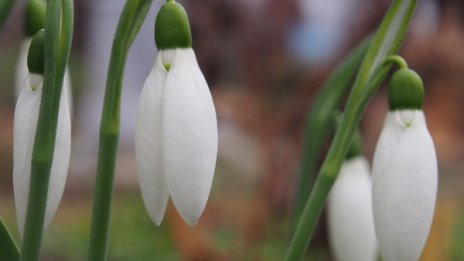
[[350, 220], [25, 124], [176, 137], [404, 185]]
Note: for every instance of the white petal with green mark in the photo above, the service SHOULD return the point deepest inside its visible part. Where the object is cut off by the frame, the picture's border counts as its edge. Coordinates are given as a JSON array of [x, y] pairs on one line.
[[190, 136], [404, 185], [25, 124], [148, 144]]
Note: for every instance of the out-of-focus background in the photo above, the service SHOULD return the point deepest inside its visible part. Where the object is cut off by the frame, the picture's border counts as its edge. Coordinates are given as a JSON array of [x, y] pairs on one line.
[[264, 61]]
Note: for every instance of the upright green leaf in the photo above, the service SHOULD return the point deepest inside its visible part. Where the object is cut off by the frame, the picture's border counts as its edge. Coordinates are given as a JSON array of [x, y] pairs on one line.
[[5, 8], [318, 121], [131, 19], [8, 248]]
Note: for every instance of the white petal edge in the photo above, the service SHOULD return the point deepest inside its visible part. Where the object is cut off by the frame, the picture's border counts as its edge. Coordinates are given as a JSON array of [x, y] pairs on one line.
[[190, 136], [25, 124], [404, 186], [21, 67], [350, 219], [148, 144]]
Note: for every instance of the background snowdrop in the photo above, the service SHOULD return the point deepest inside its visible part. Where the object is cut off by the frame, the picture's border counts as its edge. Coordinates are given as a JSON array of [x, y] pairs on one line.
[[350, 219]]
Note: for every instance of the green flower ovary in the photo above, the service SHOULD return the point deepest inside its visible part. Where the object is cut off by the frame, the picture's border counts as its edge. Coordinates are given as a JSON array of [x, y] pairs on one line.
[[172, 28], [406, 90]]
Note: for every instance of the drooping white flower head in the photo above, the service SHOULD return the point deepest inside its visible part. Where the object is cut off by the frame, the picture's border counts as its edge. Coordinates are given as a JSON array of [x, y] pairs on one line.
[[176, 137], [350, 220], [25, 124], [404, 184]]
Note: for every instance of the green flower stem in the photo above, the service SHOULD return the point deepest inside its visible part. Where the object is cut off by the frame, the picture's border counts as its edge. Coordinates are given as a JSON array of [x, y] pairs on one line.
[[8, 248], [386, 41], [319, 121], [58, 37], [5, 8], [132, 17], [395, 59]]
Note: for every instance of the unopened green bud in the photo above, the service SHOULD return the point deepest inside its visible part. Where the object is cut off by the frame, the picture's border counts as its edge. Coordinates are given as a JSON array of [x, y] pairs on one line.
[[35, 57], [406, 90], [172, 28], [34, 16]]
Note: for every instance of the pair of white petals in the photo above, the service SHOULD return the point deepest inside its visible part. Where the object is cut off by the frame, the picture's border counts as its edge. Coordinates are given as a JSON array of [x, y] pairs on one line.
[[350, 219], [404, 185], [176, 137], [25, 124]]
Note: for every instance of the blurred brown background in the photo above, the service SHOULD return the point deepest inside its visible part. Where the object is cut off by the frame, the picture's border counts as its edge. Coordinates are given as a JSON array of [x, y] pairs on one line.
[[264, 61]]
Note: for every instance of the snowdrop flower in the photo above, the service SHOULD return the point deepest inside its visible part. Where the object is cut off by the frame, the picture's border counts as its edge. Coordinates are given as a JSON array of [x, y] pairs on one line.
[[404, 173], [176, 135], [350, 220], [34, 18], [25, 124]]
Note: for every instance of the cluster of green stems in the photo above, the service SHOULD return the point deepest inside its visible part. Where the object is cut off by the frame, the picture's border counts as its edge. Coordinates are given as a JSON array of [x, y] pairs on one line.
[[58, 36]]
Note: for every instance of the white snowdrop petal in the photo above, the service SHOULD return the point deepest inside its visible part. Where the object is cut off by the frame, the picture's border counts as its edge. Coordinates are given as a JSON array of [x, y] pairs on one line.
[[350, 220], [21, 67], [68, 90], [404, 187], [190, 136], [25, 124], [148, 144]]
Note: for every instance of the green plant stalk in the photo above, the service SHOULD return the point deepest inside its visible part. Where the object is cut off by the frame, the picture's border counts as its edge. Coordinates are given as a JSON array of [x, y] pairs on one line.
[[132, 17], [319, 120], [5, 8], [58, 37], [8, 247], [386, 41]]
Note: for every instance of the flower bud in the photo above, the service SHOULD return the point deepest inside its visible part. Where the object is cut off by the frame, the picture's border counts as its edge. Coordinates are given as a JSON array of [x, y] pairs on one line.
[[172, 28], [406, 90], [34, 16], [35, 57]]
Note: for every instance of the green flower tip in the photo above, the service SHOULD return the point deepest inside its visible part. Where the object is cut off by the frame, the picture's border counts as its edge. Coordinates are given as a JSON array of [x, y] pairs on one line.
[[406, 90], [34, 17], [35, 57], [172, 28]]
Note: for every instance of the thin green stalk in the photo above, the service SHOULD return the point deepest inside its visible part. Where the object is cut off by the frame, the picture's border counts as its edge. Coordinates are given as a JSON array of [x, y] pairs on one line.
[[132, 17], [318, 121], [386, 41], [5, 8], [58, 36], [8, 247]]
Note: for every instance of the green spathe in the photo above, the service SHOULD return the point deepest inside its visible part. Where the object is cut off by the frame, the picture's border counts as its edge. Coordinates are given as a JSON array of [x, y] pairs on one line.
[[172, 28], [34, 17], [406, 90], [35, 57]]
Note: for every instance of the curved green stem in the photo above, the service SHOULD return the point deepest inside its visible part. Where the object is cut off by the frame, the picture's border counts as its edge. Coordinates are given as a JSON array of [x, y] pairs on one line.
[[58, 36], [131, 19], [319, 119], [396, 59], [5, 8], [386, 41]]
